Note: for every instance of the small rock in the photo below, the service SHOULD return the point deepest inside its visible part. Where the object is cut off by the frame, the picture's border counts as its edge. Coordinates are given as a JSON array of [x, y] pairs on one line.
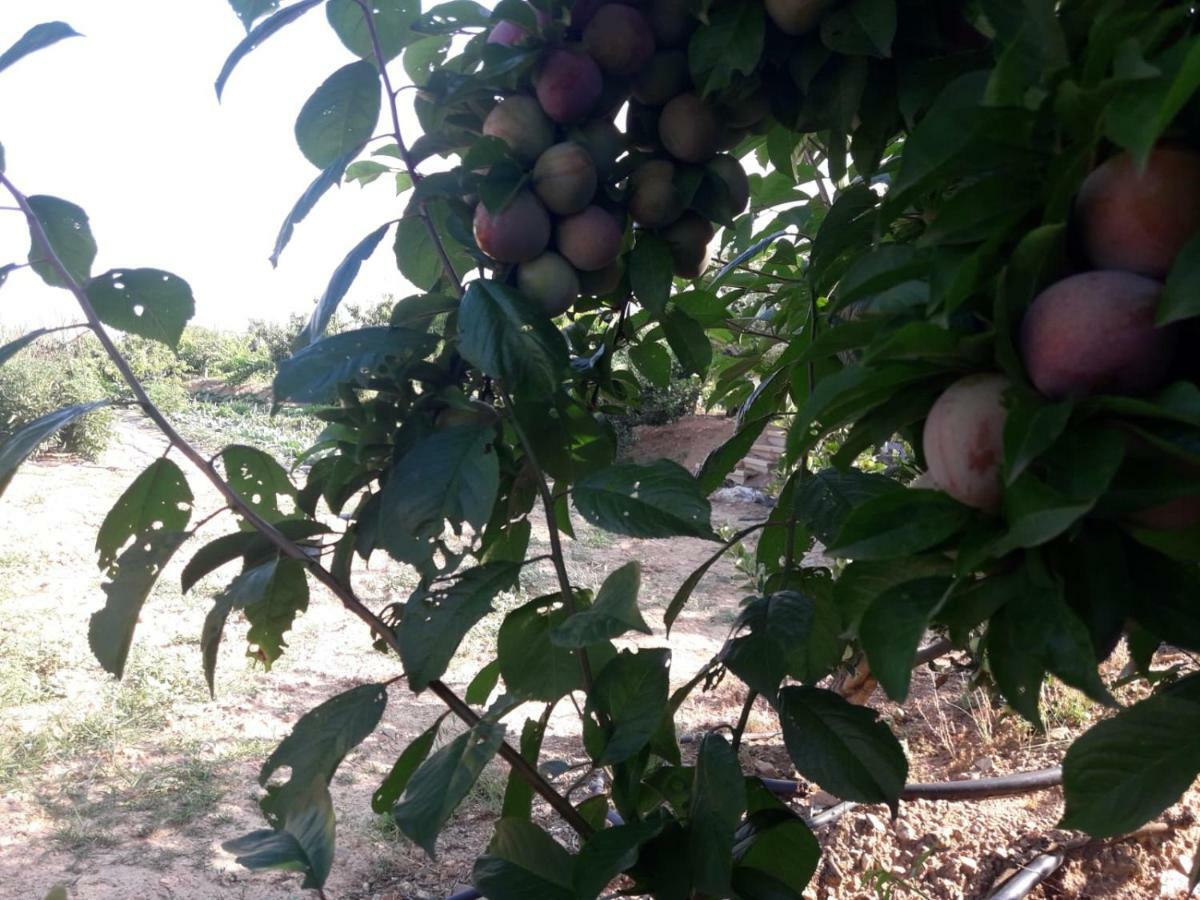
[[985, 765], [1172, 884], [1184, 864], [968, 864], [822, 799], [872, 822], [905, 832]]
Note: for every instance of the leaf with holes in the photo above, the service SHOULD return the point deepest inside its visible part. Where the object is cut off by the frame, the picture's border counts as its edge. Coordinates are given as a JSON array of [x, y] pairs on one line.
[[36, 38], [652, 501], [341, 115], [259, 34], [437, 617], [270, 595], [159, 498], [252, 547], [258, 479], [250, 11], [146, 302], [614, 612], [393, 21], [22, 442], [131, 578], [534, 668], [70, 237], [313, 375]]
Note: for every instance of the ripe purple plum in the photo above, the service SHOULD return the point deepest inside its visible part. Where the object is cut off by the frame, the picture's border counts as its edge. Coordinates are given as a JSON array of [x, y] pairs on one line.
[[620, 39], [564, 178], [964, 440], [689, 129], [730, 171], [590, 239], [515, 234], [688, 238], [1094, 333], [568, 85], [654, 201], [797, 17], [519, 122]]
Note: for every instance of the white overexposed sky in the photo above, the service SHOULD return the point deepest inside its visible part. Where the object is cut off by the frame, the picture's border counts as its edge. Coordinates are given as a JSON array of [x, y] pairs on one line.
[[125, 122]]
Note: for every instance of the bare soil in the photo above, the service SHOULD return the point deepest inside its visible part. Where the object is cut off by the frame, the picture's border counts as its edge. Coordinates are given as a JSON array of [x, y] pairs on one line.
[[127, 790]]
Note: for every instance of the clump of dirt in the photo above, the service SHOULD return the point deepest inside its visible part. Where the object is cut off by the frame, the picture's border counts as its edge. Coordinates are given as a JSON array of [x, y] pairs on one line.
[[686, 441]]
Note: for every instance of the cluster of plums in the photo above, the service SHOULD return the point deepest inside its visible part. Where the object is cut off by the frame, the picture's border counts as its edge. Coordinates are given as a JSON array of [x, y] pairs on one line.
[[565, 230], [1090, 333]]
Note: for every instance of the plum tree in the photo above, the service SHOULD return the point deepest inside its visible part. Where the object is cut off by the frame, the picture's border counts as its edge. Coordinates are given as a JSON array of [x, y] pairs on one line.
[[550, 280], [590, 239], [796, 17], [654, 201], [730, 171], [963, 439], [565, 178], [568, 85], [520, 122], [620, 39], [1138, 220], [663, 77], [517, 233], [1095, 332], [689, 237], [689, 128], [603, 141]]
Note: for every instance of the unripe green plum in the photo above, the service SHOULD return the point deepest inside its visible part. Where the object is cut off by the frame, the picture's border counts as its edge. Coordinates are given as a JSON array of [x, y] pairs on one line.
[[564, 178], [1139, 221], [664, 77], [602, 281], [568, 85], [730, 171], [590, 240], [517, 233], [603, 141], [619, 38], [672, 21], [964, 440], [550, 280], [654, 201], [1095, 333], [689, 129], [519, 122], [797, 17], [688, 238]]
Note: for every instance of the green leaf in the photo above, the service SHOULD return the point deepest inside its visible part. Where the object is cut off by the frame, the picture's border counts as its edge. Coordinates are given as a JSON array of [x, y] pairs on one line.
[[451, 475], [366, 171], [646, 501], [1127, 770], [414, 754], [675, 607], [724, 459], [650, 269], [532, 666], [483, 683], [824, 500], [259, 34], [899, 524], [441, 783], [614, 612], [159, 498], [608, 853], [731, 43], [523, 861], [1140, 112], [340, 116], [775, 856], [131, 578], [1030, 429], [329, 178], [1181, 297], [844, 748], [631, 691], [147, 302], [392, 19], [861, 28], [211, 633], [250, 11], [781, 634], [258, 479], [250, 545], [940, 135], [688, 340], [509, 337], [36, 38], [22, 442], [12, 348], [437, 617], [314, 374], [518, 793], [862, 582], [653, 363], [339, 284], [270, 595], [718, 802], [70, 237], [892, 628]]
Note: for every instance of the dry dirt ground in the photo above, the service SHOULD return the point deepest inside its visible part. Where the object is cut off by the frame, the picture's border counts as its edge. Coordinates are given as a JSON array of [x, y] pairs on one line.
[[126, 790]]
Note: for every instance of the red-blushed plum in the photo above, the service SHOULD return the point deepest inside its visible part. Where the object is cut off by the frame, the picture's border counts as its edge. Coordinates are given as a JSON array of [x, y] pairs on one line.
[[564, 178], [1138, 221], [654, 201], [797, 17], [664, 77], [1094, 333], [568, 85], [602, 281], [964, 439], [672, 21], [519, 122], [603, 141], [590, 240], [689, 129], [507, 34], [550, 280], [730, 171], [517, 233], [688, 238], [620, 39]]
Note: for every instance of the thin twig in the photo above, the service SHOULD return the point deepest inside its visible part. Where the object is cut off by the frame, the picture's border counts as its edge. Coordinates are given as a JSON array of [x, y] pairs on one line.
[[282, 543], [744, 719]]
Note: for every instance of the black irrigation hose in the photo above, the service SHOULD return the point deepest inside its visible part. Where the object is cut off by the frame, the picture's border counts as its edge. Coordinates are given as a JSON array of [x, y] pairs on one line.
[[1030, 876], [976, 789]]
